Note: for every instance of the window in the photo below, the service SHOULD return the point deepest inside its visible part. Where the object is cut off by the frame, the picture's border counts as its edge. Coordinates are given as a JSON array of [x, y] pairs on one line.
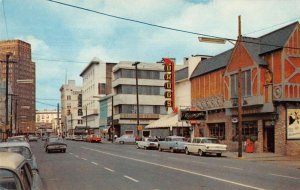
[[101, 88], [217, 130], [79, 121], [246, 84], [68, 97], [234, 86], [80, 112]]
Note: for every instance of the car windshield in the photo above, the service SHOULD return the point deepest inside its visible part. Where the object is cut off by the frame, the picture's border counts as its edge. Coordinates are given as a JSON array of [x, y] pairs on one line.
[[16, 139], [55, 139], [177, 139], [152, 140], [24, 151], [8, 180], [215, 141]]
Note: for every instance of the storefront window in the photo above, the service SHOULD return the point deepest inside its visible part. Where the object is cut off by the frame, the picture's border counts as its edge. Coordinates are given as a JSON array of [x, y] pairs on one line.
[[249, 131], [217, 130]]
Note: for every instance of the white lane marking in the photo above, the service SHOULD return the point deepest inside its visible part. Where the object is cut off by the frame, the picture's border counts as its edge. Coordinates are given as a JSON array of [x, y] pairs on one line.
[[232, 168], [95, 163], [198, 162], [131, 178], [109, 169], [83, 158], [70, 153], [177, 169], [173, 158], [284, 176], [76, 156]]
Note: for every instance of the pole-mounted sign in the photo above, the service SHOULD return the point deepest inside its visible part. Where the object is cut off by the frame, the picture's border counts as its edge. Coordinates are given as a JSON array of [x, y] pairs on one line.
[[170, 84]]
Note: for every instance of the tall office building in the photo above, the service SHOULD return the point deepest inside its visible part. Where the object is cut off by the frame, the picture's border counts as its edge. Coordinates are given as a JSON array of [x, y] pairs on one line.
[[21, 86]]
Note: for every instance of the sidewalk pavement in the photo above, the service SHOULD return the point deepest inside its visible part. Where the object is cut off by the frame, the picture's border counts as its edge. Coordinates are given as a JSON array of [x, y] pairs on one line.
[[293, 161]]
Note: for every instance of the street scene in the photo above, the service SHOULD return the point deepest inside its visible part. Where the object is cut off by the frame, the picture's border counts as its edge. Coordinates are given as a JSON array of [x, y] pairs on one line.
[[149, 94], [114, 166]]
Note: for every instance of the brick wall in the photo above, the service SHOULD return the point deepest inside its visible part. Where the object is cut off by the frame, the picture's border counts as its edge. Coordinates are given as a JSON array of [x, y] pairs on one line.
[[280, 131]]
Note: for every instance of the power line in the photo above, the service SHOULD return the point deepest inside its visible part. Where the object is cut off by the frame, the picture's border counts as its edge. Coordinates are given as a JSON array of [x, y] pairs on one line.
[[165, 27]]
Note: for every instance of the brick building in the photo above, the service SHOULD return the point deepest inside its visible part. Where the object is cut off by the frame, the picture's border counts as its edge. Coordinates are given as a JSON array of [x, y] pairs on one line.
[[270, 67], [22, 108]]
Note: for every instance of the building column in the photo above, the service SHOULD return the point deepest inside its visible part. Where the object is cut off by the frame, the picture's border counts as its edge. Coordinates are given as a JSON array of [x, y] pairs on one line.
[[259, 144], [280, 131]]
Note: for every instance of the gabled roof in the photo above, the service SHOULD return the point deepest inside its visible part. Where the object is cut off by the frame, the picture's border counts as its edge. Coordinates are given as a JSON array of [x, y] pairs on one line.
[[217, 62], [255, 46], [182, 74], [277, 38]]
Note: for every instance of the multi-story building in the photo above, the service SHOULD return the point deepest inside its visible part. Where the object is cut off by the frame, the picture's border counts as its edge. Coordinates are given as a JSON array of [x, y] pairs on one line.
[[46, 121], [71, 107], [151, 96], [269, 68], [21, 85], [97, 79]]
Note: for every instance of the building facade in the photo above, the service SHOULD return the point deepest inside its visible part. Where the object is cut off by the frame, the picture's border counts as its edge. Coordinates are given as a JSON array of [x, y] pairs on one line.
[[46, 122], [97, 80], [71, 107], [270, 79], [151, 97], [21, 85]]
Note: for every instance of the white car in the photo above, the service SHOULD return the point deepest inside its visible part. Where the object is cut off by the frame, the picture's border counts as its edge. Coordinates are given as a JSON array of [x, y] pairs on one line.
[[205, 145], [147, 143], [125, 139]]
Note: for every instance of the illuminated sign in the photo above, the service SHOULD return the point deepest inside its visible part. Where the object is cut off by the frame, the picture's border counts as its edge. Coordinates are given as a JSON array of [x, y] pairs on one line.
[[169, 68], [192, 115]]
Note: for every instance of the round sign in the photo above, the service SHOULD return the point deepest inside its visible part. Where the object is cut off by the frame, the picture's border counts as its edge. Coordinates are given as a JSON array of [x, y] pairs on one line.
[[234, 120]]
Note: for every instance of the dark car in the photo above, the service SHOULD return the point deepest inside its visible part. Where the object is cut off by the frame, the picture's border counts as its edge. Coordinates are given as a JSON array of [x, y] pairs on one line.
[[55, 144]]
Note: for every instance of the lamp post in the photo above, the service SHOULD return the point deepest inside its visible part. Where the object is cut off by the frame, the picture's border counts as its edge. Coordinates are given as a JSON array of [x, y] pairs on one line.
[[137, 98]]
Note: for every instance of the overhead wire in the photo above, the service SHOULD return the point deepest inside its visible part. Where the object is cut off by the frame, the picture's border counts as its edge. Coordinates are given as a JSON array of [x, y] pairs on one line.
[[4, 16]]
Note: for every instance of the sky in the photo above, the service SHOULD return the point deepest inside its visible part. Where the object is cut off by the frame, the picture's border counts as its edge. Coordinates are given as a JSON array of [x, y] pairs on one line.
[[64, 39]]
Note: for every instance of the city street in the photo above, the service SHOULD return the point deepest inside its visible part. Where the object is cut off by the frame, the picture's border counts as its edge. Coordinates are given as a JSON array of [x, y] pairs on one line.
[[114, 166]]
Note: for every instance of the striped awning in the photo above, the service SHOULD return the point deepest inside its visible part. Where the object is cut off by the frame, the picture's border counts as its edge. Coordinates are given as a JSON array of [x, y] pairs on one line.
[[167, 121]]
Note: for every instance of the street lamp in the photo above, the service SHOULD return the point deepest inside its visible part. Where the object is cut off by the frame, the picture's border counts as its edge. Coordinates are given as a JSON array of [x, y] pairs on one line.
[[137, 98]]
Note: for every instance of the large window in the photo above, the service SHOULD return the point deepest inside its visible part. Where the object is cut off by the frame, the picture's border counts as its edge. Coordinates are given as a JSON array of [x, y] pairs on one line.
[[142, 74], [217, 130], [143, 109], [101, 88], [145, 90], [246, 84]]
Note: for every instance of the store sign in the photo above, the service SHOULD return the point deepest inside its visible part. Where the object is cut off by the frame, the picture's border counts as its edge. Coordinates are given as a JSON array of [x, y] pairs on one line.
[[192, 115], [169, 85], [293, 124]]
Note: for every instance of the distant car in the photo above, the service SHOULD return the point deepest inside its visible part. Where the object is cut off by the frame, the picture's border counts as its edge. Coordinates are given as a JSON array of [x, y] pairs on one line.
[[93, 138], [205, 145], [172, 143], [147, 143], [32, 138], [16, 173], [44, 137], [20, 138], [55, 144], [68, 137], [78, 138], [125, 139], [22, 148]]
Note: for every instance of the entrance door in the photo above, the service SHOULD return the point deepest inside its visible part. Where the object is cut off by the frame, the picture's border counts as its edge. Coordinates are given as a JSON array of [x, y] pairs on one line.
[[269, 139]]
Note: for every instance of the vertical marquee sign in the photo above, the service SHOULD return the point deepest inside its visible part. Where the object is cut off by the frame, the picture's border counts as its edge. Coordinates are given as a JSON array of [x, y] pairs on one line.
[[170, 84]]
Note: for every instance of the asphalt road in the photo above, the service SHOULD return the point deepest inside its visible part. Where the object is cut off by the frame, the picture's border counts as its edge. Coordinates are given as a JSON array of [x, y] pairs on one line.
[[113, 166]]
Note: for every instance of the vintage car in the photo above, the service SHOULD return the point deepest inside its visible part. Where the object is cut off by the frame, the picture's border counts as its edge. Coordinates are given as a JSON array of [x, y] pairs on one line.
[[172, 143], [147, 143], [16, 173], [22, 148], [55, 144], [125, 139], [205, 145], [32, 138], [19, 138], [94, 138]]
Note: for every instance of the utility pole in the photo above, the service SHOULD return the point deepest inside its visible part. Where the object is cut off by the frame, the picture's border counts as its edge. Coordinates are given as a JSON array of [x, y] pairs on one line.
[[240, 94], [71, 123], [16, 112], [58, 115], [85, 118], [137, 98], [11, 114], [6, 89], [112, 119]]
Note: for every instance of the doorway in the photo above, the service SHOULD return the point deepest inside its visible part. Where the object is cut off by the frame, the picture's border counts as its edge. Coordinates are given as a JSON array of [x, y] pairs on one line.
[[269, 139]]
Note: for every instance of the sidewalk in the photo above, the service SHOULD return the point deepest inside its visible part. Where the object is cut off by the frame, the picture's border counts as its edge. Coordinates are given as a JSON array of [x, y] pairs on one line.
[[292, 161]]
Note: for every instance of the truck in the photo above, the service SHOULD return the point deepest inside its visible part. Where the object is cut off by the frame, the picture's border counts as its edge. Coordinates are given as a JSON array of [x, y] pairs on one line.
[[205, 145]]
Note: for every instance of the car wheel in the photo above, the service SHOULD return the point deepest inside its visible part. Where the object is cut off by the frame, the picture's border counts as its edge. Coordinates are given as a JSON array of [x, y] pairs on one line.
[[46, 150], [172, 150], [137, 147], [160, 149], [219, 154], [187, 151], [64, 151], [201, 153], [145, 148], [121, 142]]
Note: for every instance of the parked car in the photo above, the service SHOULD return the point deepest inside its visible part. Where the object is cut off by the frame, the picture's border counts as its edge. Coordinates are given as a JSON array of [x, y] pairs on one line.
[[205, 145], [94, 138], [55, 144], [19, 138], [125, 139], [147, 143], [78, 138], [172, 143], [16, 173], [32, 138], [22, 148], [44, 137]]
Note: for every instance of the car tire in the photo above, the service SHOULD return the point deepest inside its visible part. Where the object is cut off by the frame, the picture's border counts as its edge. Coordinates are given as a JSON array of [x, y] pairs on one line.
[[121, 142], [187, 151], [172, 150], [145, 148], [160, 149], [219, 154], [201, 153], [137, 147]]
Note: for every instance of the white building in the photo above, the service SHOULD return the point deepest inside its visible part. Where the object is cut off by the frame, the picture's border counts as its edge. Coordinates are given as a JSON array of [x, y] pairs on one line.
[[71, 107], [47, 120], [96, 78]]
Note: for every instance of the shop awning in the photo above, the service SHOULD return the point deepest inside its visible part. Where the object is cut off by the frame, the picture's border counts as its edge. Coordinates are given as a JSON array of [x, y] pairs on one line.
[[167, 121]]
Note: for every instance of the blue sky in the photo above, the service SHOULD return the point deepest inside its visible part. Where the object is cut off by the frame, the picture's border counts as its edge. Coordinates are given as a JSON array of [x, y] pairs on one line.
[[57, 32]]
